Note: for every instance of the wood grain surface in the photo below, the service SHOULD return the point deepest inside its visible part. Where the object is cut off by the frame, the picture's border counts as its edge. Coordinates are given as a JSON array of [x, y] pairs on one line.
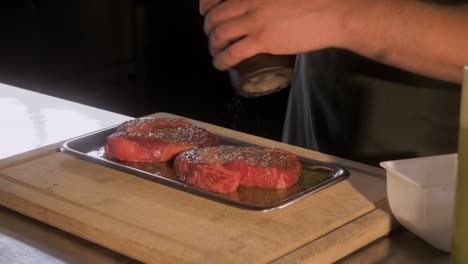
[[158, 224]]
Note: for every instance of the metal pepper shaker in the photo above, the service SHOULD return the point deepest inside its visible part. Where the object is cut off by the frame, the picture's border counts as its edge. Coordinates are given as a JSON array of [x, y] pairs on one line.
[[262, 74]]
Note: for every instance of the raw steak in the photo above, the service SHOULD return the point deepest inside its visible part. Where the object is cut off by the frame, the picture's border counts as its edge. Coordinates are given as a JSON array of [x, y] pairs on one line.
[[222, 169], [156, 139]]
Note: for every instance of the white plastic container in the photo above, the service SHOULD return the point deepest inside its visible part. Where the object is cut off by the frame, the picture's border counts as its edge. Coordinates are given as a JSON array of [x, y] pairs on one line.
[[421, 194]]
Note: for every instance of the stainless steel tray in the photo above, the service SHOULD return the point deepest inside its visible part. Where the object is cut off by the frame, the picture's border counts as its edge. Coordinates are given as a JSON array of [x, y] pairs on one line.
[[316, 175]]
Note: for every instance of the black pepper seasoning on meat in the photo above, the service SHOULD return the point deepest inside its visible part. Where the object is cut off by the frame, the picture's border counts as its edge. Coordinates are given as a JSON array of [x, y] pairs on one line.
[[253, 156]]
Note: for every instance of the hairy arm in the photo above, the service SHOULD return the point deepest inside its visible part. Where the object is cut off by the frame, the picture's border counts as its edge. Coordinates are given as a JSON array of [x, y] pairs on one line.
[[425, 38], [417, 36]]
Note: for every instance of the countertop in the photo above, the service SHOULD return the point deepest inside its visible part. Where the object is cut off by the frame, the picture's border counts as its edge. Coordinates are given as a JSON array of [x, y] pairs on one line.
[[42, 120]]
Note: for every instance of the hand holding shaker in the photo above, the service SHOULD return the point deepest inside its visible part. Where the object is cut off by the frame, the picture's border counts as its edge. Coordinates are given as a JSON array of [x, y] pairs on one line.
[[262, 74], [460, 225]]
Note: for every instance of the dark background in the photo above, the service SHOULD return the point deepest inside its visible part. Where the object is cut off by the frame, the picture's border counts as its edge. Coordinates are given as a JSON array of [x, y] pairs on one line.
[[132, 57]]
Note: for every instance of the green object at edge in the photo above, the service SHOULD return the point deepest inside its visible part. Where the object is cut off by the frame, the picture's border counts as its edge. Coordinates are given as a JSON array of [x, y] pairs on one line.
[[460, 227]]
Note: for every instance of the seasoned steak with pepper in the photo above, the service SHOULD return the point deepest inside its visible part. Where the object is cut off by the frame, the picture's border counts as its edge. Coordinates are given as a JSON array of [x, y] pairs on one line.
[[222, 169], [156, 139]]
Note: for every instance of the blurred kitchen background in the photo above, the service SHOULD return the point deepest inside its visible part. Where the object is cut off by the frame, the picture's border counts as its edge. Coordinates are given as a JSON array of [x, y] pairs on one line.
[[133, 57]]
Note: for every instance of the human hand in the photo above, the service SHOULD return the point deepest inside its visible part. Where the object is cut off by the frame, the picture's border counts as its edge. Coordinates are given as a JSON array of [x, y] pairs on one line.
[[206, 5], [239, 29], [412, 35]]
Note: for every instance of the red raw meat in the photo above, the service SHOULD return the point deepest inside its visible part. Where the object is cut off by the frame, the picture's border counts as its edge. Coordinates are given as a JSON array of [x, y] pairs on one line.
[[156, 139], [222, 169]]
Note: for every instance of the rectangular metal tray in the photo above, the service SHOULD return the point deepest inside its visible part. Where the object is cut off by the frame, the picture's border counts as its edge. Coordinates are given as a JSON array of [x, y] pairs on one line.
[[316, 175]]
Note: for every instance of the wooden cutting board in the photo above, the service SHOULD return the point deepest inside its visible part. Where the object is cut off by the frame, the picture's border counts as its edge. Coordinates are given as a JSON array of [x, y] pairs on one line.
[[155, 223]]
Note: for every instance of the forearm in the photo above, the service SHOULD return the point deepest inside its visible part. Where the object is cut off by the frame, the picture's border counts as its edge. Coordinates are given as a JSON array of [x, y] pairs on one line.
[[424, 38]]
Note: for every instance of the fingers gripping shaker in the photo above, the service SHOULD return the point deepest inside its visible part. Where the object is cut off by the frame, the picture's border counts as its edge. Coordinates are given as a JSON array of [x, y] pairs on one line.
[[262, 74]]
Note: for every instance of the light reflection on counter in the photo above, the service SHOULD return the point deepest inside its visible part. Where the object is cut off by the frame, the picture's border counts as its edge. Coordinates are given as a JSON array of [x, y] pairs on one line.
[[16, 132], [30, 120]]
